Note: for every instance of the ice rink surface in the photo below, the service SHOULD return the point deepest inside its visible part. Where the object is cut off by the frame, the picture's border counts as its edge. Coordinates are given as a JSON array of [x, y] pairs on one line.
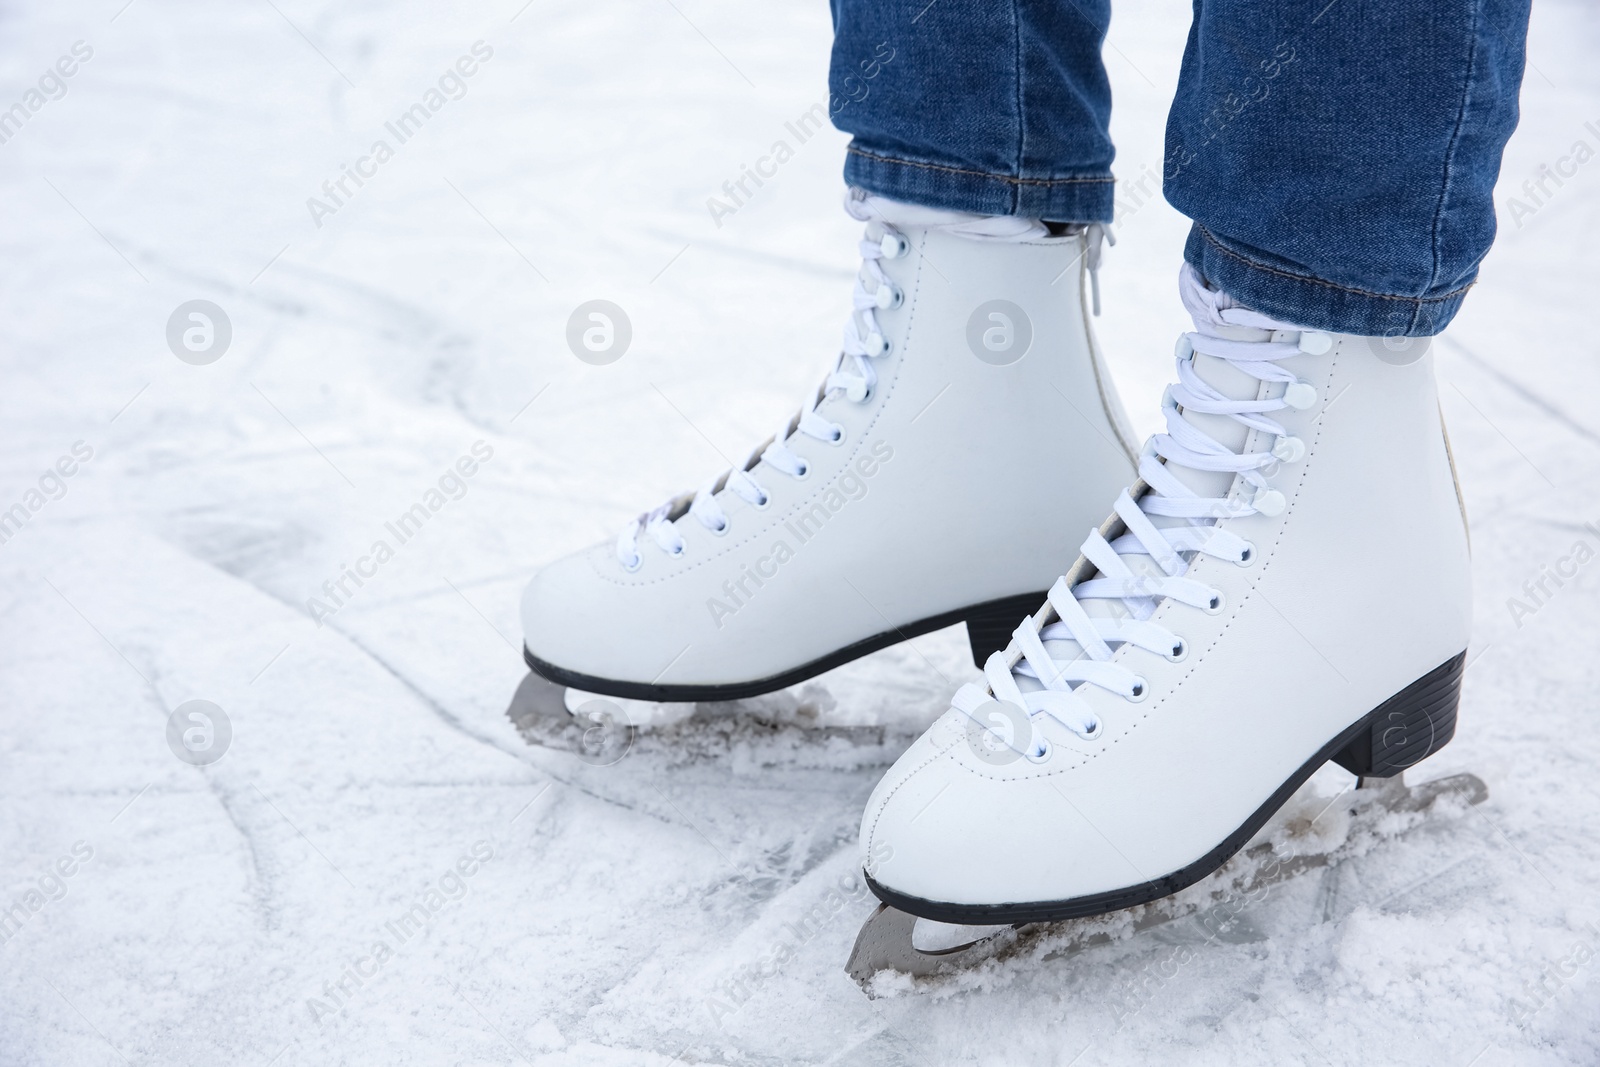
[[629, 914]]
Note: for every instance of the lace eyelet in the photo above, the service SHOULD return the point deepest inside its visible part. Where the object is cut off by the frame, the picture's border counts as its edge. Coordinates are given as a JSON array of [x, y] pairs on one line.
[[1216, 604], [1247, 555], [1289, 449], [1269, 502], [804, 472], [720, 531], [893, 245], [1300, 395], [1095, 732], [1314, 342], [1044, 753], [1179, 653], [1140, 691], [679, 553], [632, 567], [763, 504], [838, 435]]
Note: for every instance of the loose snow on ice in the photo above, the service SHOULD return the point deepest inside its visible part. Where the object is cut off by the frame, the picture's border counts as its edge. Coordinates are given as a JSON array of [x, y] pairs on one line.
[[693, 902]]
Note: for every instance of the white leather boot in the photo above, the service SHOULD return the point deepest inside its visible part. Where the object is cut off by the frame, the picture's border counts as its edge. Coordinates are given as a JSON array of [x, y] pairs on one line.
[[967, 427], [1286, 584]]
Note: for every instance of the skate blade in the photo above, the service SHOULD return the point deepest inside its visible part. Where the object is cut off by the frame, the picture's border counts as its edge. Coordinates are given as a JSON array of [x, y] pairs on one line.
[[887, 941], [602, 734], [638, 713]]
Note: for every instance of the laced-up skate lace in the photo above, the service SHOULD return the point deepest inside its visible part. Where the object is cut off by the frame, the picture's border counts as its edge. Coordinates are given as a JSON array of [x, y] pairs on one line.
[[1169, 524], [853, 376]]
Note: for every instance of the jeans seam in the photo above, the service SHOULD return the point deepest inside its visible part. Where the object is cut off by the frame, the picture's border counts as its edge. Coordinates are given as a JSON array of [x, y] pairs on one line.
[[979, 173], [1450, 150], [1022, 115], [1213, 242]]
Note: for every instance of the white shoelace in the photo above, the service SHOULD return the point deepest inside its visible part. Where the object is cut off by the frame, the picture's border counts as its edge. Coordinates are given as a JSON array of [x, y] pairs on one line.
[[853, 376], [1071, 640]]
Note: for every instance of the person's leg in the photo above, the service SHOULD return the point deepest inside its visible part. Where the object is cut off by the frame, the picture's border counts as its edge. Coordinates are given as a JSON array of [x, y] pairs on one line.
[[1288, 583], [873, 514], [997, 109], [1338, 158]]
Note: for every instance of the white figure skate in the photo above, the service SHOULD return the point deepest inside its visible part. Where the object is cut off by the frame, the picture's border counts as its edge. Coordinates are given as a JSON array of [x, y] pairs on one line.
[[966, 425], [1286, 584]]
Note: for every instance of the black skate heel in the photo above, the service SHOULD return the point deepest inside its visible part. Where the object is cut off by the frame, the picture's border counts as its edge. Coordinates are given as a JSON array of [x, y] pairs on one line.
[[1408, 727], [989, 625]]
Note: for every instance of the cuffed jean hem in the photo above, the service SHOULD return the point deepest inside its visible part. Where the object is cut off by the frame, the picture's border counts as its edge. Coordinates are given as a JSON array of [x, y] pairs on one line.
[[1076, 199], [1312, 302]]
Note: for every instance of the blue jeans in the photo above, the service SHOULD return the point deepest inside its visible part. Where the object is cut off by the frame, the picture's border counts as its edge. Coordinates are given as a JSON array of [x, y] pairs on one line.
[[1337, 159]]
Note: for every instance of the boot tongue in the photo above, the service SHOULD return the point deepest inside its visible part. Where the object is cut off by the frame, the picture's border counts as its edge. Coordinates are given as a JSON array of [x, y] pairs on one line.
[[1231, 382], [1206, 305], [874, 233], [1227, 379]]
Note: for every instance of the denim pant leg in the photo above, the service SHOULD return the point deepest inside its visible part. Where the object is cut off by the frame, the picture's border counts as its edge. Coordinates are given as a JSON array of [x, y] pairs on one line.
[[1338, 159], [976, 105]]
